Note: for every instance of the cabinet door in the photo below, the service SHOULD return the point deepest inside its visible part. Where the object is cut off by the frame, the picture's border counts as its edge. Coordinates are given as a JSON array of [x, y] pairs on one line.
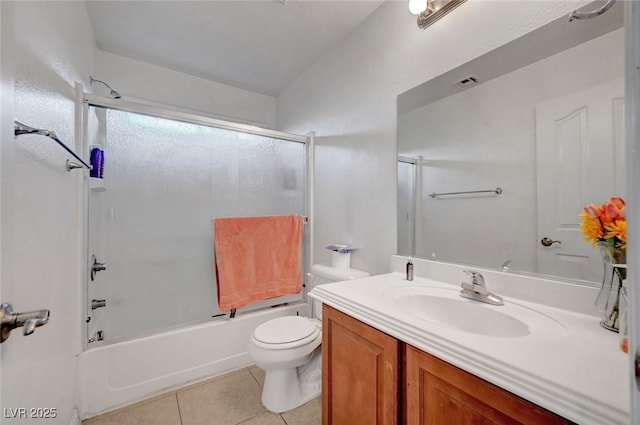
[[438, 393], [360, 380]]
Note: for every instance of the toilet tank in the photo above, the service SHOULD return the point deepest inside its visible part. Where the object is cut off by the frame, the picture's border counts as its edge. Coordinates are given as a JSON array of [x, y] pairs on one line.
[[327, 274]]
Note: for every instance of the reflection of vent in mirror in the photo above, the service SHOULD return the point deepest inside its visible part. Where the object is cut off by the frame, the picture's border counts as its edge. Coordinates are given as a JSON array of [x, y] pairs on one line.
[[467, 82]]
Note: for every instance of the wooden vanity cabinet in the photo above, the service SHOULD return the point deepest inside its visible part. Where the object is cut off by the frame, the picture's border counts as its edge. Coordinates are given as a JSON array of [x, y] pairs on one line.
[[437, 393], [371, 378], [360, 372]]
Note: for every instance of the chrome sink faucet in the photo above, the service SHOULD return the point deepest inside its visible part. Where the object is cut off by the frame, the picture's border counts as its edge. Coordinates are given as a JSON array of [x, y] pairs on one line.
[[477, 290]]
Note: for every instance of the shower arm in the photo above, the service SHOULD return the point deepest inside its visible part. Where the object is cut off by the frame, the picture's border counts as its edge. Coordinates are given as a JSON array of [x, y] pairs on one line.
[[588, 15], [20, 129], [114, 94]]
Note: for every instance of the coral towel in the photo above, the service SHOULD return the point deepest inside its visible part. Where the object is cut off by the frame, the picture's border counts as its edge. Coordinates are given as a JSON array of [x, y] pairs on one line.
[[257, 258]]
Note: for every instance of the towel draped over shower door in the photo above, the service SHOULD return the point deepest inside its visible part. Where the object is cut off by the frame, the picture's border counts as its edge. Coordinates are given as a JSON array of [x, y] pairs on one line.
[[257, 258]]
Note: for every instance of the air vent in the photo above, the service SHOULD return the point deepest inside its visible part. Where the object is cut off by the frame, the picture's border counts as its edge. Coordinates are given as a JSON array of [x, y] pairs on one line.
[[468, 81]]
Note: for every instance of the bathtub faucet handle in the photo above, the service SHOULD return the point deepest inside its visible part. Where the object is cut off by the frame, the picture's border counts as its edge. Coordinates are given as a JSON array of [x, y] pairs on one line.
[[96, 267]]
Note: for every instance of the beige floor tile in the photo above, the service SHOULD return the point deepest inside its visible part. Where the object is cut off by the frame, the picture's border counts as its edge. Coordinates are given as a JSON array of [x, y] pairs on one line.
[[258, 373], [309, 413], [158, 411], [228, 400], [267, 418]]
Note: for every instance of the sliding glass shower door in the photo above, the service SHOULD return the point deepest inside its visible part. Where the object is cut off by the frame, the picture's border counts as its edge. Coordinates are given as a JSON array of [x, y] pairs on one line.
[[150, 215]]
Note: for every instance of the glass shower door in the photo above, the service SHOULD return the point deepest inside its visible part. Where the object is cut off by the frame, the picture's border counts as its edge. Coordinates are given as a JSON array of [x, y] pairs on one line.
[[150, 216]]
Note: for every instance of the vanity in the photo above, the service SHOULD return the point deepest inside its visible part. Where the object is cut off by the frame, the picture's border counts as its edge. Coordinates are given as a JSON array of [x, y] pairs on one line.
[[400, 352], [496, 160]]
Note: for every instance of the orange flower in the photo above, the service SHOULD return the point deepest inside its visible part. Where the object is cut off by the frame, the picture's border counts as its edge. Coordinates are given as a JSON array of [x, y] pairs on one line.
[[605, 221], [623, 213], [593, 211], [618, 230], [591, 228], [618, 202], [611, 211]]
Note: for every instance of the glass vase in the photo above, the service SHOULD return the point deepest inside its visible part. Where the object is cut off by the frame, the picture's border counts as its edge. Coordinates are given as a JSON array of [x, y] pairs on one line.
[[615, 272]]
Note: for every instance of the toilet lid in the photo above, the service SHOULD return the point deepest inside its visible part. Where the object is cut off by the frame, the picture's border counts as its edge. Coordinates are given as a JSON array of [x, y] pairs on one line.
[[284, 329]]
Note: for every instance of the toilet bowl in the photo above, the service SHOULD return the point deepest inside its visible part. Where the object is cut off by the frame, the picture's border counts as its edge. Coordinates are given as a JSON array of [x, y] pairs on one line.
[[288, 350], [281, 347]]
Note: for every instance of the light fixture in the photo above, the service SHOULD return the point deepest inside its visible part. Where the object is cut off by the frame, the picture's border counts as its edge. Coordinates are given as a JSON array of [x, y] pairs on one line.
[[435, 10], [416, 7]]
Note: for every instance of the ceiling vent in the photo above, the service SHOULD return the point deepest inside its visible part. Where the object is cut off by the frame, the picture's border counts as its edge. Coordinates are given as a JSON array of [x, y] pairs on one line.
[[469, 81]]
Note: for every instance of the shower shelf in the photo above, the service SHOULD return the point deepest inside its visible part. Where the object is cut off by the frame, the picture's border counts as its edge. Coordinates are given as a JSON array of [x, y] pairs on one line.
[[96, 184]]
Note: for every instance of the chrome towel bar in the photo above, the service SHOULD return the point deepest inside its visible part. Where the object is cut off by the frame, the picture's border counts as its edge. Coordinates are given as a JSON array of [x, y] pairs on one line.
[[497, 191], [20, 129]]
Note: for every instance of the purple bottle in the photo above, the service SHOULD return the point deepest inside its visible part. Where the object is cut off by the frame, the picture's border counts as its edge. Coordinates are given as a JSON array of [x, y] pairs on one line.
[[101, 174], [95, 162]]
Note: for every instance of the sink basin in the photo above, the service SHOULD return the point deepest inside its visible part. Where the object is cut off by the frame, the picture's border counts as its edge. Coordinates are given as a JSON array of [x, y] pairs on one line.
[[444, 307]]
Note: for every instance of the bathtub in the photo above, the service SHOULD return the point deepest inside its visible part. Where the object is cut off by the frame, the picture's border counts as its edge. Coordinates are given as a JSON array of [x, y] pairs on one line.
[[118, 374]]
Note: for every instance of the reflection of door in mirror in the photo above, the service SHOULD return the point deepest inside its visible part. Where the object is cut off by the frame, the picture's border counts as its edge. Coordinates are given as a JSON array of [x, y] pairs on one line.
[[580, 158]]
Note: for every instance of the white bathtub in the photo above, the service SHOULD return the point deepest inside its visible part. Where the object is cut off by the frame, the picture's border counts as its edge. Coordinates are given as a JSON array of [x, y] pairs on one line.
[[122, 373]]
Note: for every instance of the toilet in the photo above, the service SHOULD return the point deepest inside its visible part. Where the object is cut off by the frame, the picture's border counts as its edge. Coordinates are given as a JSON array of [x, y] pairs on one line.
[[288, 349]]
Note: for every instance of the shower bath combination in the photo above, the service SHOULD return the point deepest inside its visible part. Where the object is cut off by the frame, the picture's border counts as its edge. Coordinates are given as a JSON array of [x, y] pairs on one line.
[[142, 233]]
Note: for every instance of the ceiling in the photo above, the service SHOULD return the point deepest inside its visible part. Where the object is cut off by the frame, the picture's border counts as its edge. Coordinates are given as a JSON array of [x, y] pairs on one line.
[[259, 45]]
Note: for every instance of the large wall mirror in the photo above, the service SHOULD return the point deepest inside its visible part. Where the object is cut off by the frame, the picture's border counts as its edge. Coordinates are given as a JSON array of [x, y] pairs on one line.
[[541, 118]]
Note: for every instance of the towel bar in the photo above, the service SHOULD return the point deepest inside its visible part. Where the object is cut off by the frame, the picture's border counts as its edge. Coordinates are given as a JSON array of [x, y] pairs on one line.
[[20, 129], [497, 191]]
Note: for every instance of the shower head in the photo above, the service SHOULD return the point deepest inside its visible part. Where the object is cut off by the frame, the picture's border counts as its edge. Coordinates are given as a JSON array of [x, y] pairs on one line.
[[114, 94]]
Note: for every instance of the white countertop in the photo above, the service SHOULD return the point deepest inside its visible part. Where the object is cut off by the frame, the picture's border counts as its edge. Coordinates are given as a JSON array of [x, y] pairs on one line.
[[568, 364]]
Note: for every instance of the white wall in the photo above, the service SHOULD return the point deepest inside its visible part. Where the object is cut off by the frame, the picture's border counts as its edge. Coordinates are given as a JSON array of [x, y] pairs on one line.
[[133, 78], [348, 97], [46, 48], [485, 137]]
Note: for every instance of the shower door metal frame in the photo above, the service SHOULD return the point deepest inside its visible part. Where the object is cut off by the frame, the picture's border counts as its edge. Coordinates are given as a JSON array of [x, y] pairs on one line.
[[416, 198], [193, 117], [180, 114]]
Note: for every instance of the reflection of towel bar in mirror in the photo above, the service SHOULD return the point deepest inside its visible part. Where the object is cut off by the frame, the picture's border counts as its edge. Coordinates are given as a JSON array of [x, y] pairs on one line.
[[497, 191], [20, 129]]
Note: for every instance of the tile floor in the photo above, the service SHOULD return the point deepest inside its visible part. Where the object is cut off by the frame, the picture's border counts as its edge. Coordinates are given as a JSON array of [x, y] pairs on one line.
[[229, 399]]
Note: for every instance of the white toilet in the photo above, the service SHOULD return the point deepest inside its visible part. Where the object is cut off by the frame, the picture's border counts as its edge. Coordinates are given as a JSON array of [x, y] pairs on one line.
[[288, 349]]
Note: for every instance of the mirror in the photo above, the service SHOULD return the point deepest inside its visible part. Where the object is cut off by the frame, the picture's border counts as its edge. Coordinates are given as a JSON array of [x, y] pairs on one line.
[[539, 120]]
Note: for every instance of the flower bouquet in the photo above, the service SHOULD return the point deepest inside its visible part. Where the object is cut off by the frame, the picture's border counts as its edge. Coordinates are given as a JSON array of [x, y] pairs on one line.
[[605, 225]]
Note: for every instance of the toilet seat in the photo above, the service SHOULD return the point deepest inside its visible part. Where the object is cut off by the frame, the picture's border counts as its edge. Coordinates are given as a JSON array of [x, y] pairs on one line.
[[285, 332]]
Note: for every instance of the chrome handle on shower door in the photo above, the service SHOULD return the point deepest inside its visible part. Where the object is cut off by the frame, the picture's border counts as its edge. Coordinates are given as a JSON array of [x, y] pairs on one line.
[[29, 321]]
